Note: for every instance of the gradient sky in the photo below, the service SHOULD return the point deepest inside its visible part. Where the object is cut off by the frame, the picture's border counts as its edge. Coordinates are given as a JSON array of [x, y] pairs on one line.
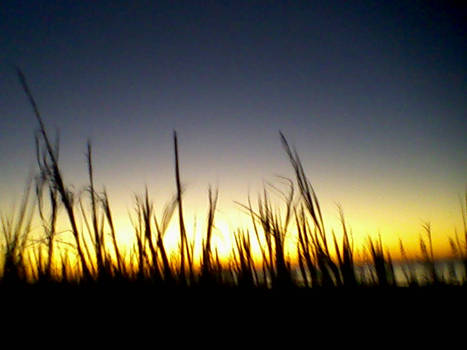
[[372, 94]]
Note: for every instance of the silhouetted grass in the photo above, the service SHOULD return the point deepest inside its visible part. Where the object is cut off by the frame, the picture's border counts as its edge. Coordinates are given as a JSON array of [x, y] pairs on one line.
[[94, 256], [381, 260], [15, 230]]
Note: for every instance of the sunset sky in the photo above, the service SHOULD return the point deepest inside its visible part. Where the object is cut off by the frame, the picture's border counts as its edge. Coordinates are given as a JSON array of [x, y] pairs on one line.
[[371, 93]]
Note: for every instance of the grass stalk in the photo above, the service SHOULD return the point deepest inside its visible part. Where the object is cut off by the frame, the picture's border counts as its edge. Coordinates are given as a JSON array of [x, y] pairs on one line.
[[55, 179]]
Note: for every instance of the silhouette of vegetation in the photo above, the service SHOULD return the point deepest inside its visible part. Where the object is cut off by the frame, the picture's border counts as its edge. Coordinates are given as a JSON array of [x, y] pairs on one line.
[[94, 256]]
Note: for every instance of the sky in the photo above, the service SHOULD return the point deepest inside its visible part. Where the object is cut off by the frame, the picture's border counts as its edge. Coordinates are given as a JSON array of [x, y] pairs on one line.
[[371, 93]]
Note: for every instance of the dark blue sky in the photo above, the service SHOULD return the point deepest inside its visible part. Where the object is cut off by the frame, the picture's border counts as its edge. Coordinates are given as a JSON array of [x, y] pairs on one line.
[[373, 93]]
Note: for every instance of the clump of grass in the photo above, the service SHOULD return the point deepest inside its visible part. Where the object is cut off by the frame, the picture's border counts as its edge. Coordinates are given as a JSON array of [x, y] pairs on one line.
[[382, 263], [345, 255], [51, 173], [321, 266], [270, 227], [208, 265], [458, 244], [120, 269], [49, 224], [407, 268], [15, 232], [428, 258], [243, 262]]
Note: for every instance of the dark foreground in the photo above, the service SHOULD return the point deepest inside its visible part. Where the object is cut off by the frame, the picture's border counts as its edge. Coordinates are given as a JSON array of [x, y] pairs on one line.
[[235, 318], [220, 302]]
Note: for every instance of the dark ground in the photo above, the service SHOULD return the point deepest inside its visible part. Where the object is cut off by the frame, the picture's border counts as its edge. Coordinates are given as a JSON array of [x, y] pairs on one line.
[[444, 301], [144, 316]]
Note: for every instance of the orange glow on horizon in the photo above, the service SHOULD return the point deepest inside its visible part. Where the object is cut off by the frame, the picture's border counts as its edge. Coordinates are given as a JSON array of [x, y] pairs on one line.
[[227, 223]]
